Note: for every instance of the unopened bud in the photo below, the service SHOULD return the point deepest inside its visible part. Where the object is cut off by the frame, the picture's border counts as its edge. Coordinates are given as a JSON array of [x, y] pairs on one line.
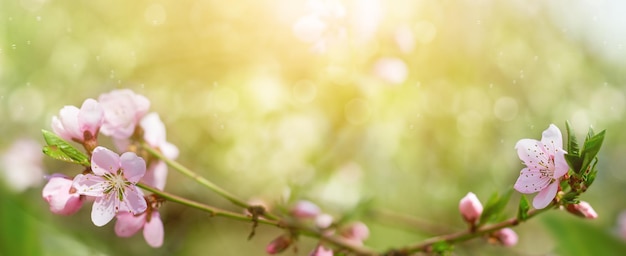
[[582, 209], [305, 209], [279, 244], [506, 237], [321, 251], [323, 221], [470, 207], [356, 232]]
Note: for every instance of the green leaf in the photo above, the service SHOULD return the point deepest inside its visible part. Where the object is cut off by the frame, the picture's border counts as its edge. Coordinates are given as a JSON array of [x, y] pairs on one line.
[[575, 162], [591, 148], [591, 176], [572, 143], [61, 150], [494, 206], [524, 206]]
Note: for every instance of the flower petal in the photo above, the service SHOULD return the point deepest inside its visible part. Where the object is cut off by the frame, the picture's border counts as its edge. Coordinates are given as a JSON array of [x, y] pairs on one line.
[[89, 185], [134, 167], [552, 140], [154, 129], [544, 197], [128, 224], [560, 165], [91, 116], [531, 181], [133, 199], [104, 161], [153, 230], [103, 210], [156, 175], [531, 152]]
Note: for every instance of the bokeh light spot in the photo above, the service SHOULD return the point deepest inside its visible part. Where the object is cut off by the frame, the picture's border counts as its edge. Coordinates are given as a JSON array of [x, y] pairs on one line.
[[25, 104], [505, 108]]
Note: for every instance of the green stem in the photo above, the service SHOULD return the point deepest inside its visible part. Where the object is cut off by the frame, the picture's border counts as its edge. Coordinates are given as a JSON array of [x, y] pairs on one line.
[[201, 180], [426, 245], [307, 231], [213, 211]]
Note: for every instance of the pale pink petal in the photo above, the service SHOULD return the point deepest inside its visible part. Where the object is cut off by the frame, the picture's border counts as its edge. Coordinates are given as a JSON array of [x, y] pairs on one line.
[[470, 207], [154, 129], [57, 194], [531, 181], [57, 127], [531, 152], [142, 105], [128, 224], [103, 210], [544, 197], [321, 251], [156, 176], [133, 199], [134, 167], [91, 116], [153, 230], [121, 144], [69, 118], [552, 139], [169, 150], [104, 161], [89, 185], [560, 165]]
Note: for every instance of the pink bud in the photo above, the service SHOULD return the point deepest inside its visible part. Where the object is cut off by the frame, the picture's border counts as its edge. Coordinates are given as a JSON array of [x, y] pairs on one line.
[[470, 207], [506, 236], [356, 232], [305, 209], [323, 221], [61, 196], [582, 209], [321, 251], [279, 244]]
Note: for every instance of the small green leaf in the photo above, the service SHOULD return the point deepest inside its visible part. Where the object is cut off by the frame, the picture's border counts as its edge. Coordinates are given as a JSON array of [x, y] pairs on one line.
[[442, 248], [591, 148], [570, 198], [494, 206], [59, 149], [591, 176], [572, 144], [575, 162], [524, 206]]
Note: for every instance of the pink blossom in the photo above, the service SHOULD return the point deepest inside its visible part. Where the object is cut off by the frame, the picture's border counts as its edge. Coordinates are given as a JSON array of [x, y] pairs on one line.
[[470, 207], [545, 165], [79, 124], [113, 184], [323, 221], [61, 195], [320, 250], [279, 244], [621, 224], [356, 232], [122, 111], [154, 134], [582, 209], [305, 209], [506, 236], [128, 224], [21, 165]]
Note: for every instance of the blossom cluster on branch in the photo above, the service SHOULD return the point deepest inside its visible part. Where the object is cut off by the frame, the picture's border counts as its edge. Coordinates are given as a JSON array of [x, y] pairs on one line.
[[129, 186]]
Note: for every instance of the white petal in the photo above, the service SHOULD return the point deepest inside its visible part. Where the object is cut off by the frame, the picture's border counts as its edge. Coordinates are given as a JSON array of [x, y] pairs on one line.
[[531, 181], [103, 210], [544, 197]]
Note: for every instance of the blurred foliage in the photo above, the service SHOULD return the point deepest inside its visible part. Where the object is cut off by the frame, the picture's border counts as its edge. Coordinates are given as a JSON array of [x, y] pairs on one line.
[[268, 116]]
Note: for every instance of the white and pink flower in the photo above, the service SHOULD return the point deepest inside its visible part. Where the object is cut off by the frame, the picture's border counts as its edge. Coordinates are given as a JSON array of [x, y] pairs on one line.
[[123, 109], [21, 165], [113, 184], [61, 195], [79, 124], [545, 165]]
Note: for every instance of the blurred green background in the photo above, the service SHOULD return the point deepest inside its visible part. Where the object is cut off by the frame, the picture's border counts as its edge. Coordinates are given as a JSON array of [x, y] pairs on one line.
[[406, 104]]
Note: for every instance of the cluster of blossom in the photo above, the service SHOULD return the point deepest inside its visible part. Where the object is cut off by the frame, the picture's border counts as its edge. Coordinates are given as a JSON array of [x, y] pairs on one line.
[[353, 233], [545, 168], [111, 179]]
